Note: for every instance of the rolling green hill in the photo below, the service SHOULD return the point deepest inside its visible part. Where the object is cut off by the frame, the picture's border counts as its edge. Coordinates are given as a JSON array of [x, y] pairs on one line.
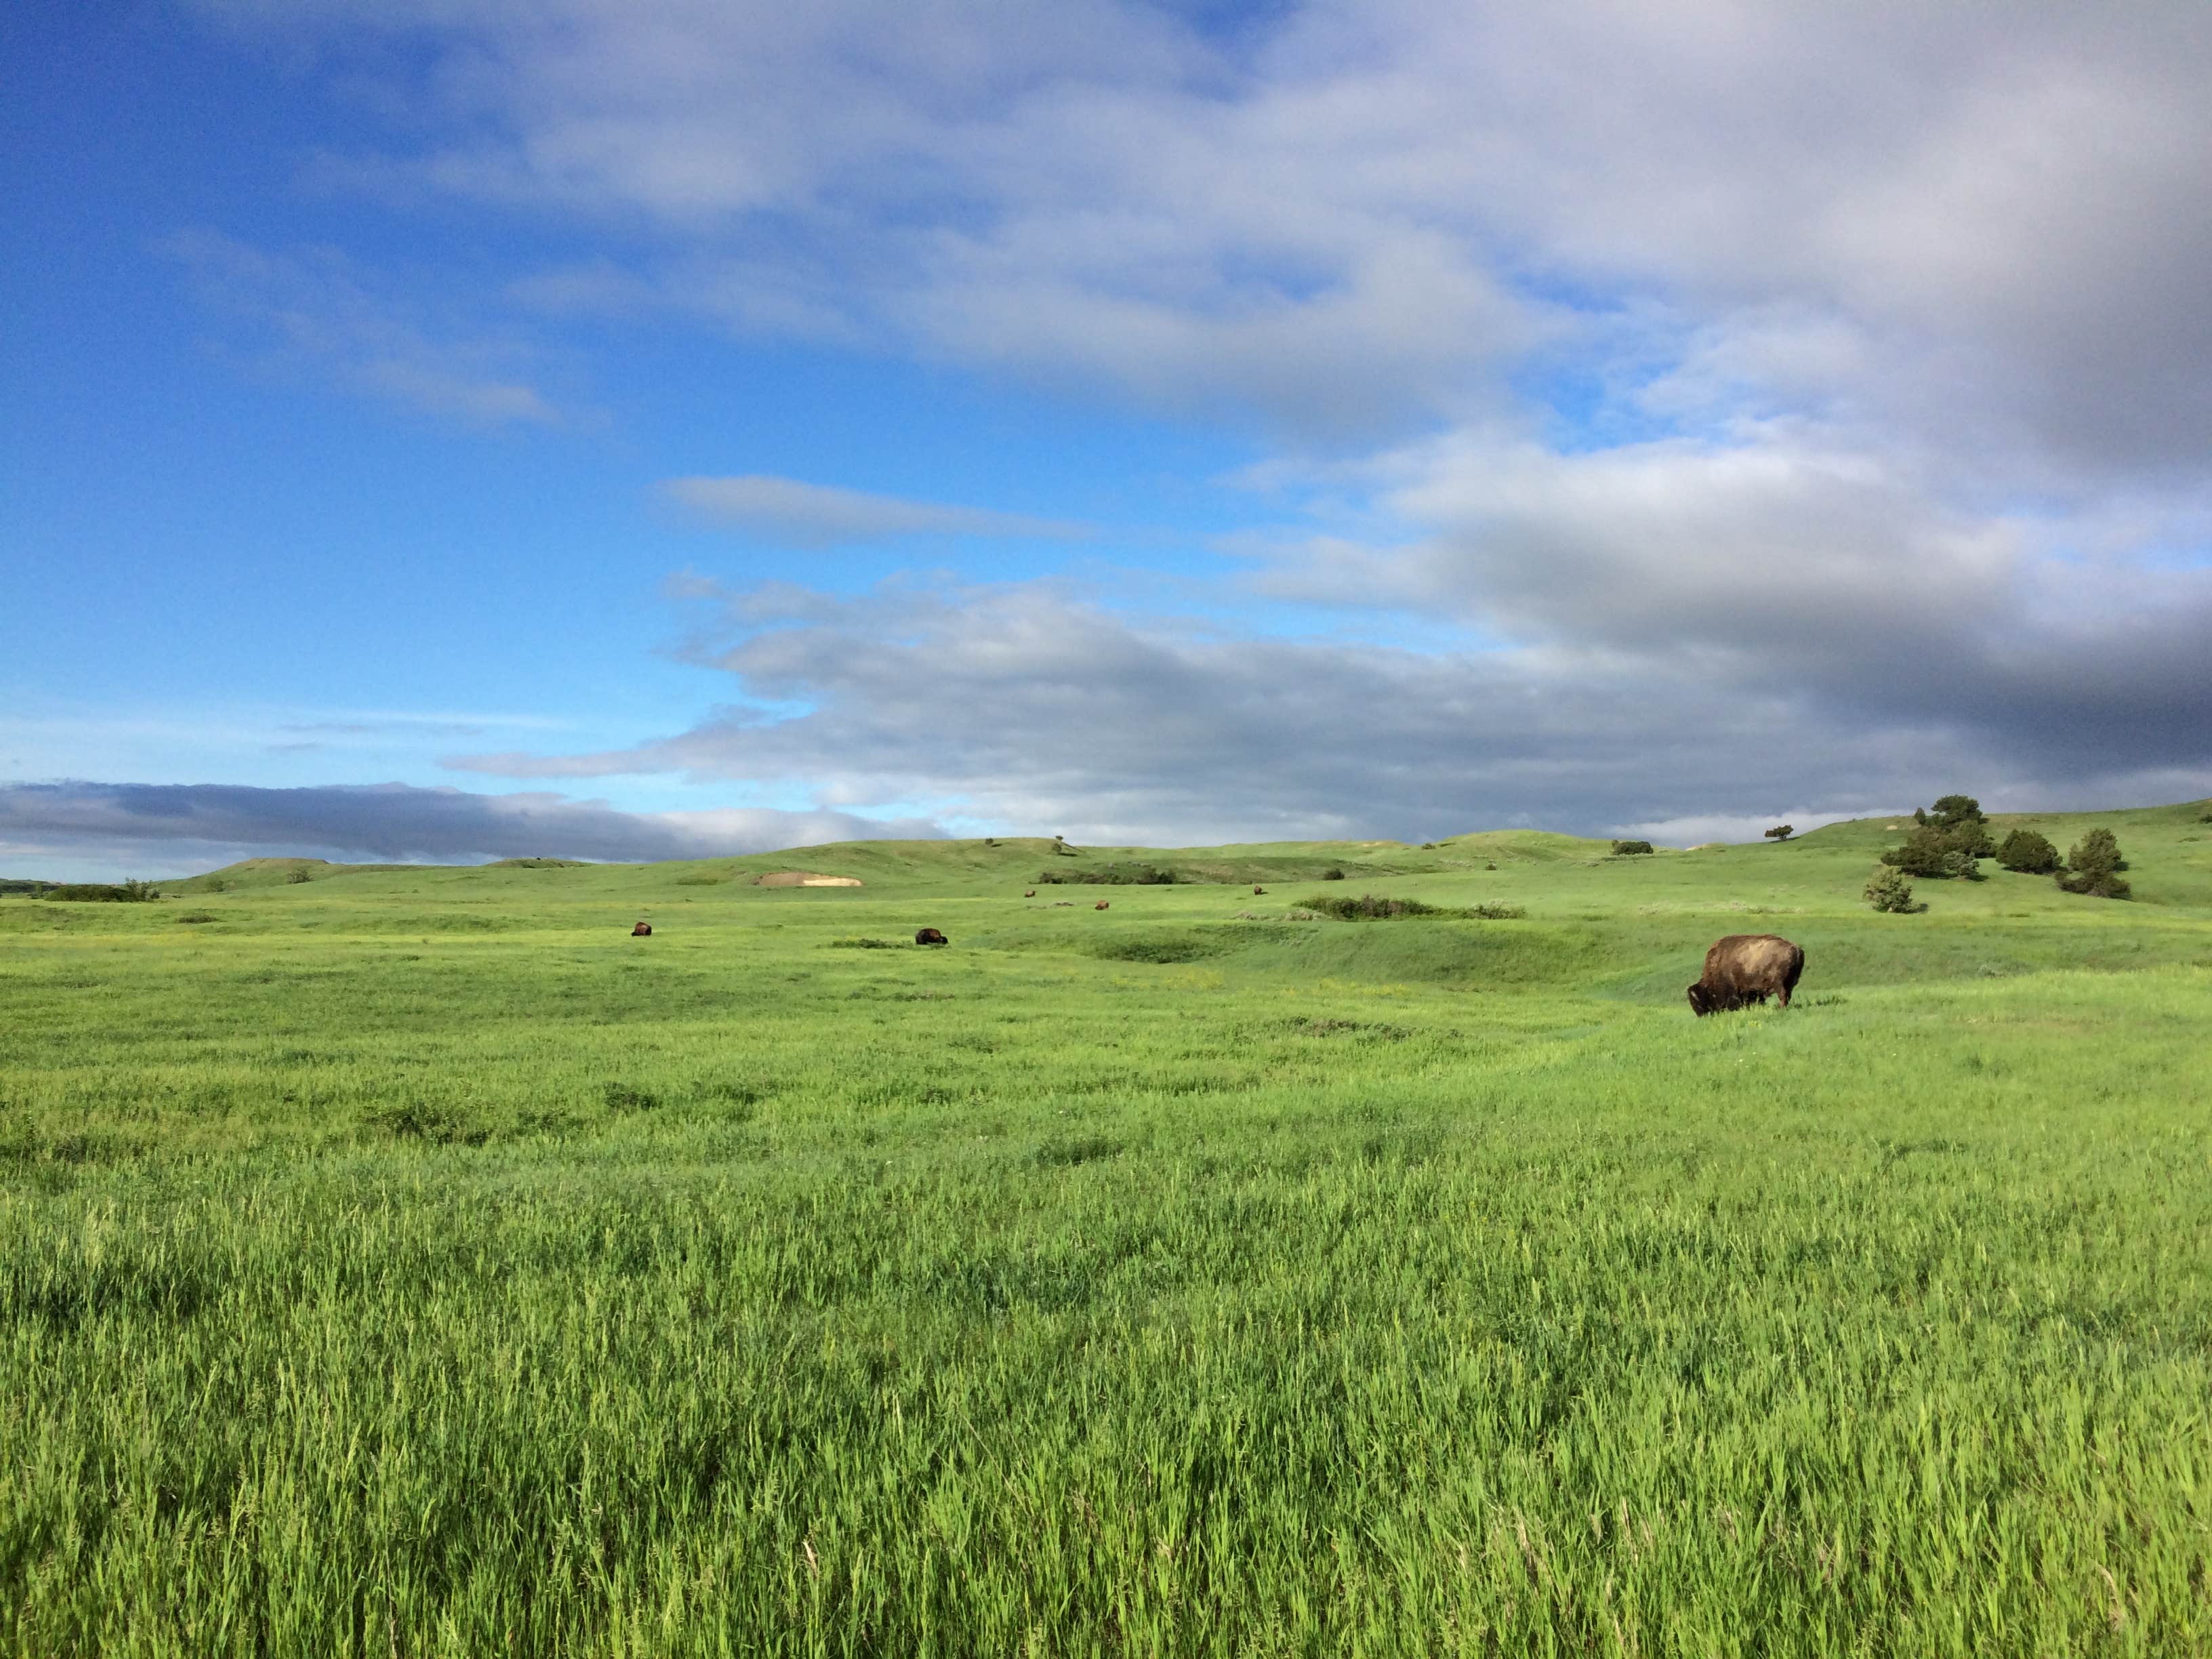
[[410, 1259]]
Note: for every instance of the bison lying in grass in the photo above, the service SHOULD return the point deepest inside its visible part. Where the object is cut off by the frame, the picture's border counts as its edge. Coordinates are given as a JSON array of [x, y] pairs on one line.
[[1744, 969]]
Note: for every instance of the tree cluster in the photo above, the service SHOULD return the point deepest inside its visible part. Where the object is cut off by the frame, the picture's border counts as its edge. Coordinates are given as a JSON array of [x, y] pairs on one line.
[[1782, 832], [1623, 849], [1946, 841]]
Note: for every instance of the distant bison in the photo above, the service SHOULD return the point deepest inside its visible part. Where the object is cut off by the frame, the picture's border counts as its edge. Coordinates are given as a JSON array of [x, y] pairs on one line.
[[931, 936], [1257, 890], [1030, 893], [1100, 905], [643, 930], [1746, 967]]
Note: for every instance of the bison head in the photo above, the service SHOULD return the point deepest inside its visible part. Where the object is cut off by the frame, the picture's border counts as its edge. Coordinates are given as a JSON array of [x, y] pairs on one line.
[[1701, 1000]]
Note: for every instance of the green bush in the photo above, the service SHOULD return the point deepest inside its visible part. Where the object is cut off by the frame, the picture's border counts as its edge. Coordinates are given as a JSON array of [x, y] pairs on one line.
[[1629, 849], [1367, 907], [1782, 832], [1111, 875], [2097, 853], [2097, 883], [1940, 853], [2028, 853], [1331, 875], [1888, 891], [2093, 866], [297, 878], [101, 892]]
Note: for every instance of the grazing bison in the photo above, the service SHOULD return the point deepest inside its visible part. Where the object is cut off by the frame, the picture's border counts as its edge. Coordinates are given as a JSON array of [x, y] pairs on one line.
[[1030, 893], [1257, 890], [931, 936], [1100, 905], [1746, 967], [643, 930]]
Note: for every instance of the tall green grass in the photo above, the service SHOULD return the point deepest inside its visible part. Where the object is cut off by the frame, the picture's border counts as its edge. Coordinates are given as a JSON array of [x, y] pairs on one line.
[[411, 1262]]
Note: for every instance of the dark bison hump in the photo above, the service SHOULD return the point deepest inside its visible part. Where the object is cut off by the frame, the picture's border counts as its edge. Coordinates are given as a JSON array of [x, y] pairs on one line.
[[930, 936], [643, 930]]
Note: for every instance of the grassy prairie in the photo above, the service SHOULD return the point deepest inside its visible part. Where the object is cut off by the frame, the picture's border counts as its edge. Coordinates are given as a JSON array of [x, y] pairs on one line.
[[409, 1261]]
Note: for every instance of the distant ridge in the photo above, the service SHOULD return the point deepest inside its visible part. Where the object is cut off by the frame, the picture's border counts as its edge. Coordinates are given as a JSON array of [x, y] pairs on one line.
[[1290, 861]]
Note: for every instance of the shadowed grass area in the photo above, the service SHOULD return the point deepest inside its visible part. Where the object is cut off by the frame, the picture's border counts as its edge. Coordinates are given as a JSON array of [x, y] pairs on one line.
[[413, 1260]]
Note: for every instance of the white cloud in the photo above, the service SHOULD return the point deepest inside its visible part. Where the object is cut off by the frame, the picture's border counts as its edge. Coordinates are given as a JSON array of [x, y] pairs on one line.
[[820, 515], [1357, 212], [314, 309]]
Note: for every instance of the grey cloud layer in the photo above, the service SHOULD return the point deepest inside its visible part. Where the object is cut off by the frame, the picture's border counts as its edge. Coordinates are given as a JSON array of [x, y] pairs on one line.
[[179, 827], [1031, 709], [818, 515]]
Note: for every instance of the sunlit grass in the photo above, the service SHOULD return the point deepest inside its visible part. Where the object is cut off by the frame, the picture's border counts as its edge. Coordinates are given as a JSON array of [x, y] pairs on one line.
[[414, 1262]]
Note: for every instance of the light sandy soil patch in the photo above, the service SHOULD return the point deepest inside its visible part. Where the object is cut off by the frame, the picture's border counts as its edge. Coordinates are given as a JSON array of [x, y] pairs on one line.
[[807, 878]]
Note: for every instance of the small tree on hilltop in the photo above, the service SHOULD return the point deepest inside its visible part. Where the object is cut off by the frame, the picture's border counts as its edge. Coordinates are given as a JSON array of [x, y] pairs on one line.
[[1888, 891], [1628, 849], [2028, 853], [1782, 832]]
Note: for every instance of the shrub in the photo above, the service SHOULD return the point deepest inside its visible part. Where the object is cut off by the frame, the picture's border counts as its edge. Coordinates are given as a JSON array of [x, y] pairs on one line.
[[2097, 883], [1112, 875], [297, 878], [101, 892], [1888, 891], [1782, 832], [1942, 854], [1331, 875], [1368, 908], [1628, 849], [700, 881], [2093, 868], [2097, 853], [2028, 853]]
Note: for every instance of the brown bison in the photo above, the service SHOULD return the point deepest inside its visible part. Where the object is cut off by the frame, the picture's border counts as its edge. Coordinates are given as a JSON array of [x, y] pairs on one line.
[[931, 936], [643, 930], [1744, 969], [1100, 905], [1257, 890], [1030, 893]]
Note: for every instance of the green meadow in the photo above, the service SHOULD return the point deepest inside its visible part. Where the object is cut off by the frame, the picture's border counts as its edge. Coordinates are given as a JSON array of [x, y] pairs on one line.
[[409, 1261]]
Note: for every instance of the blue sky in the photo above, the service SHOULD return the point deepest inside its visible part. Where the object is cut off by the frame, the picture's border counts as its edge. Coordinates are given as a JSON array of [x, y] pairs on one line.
[[679, 428]]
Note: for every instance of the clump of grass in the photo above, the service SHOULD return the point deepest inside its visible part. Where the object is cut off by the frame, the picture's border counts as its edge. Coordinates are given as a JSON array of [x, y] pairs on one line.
[[628, 1097], [862, 944], [439, 1126], [1112, 875], [192, 918], [1370, 907], [701, 881]]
